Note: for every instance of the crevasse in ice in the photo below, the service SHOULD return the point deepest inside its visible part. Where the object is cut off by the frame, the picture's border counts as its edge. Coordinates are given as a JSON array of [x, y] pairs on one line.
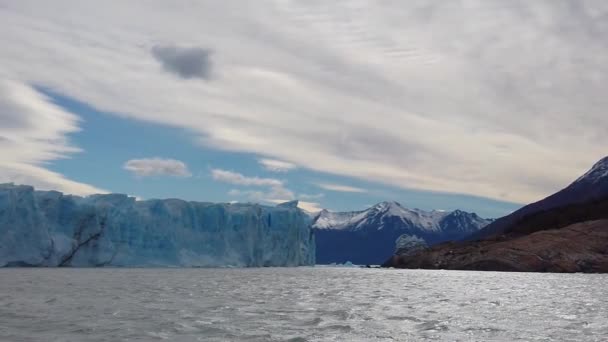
[[48, 228]]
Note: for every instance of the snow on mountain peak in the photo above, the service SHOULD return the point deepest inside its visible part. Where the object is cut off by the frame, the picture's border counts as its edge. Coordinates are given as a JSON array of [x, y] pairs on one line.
[[390, 207], [377, 215], [364, 236], [335, 220], [597, 172], [387, 204]]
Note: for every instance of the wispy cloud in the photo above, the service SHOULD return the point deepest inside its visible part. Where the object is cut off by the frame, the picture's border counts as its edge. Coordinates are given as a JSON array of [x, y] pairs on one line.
[[257, 195], [276, 165], [339, 187], [275, 188], [309, 196], [235, 192], [311, 207], [157, 167], [236, 178], [34, 131], [272, 195]]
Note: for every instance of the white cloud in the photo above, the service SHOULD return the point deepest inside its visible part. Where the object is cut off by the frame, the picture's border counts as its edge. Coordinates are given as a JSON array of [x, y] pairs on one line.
[[235, 192], [274, 193], [280, 192], [33, 131], [309, 196], [492, 98], [157, 167], [43, 179], [236, 178], [340, 188], [277, 195], [276, 165], [311, 207], [275, 188]]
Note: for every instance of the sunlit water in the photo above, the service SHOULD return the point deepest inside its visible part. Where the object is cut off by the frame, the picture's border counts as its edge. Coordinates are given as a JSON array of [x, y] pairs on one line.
[[299, 304]]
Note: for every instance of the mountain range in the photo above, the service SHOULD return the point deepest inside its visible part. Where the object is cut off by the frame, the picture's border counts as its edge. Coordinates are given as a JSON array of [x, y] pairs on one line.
[[368, 236], [565, 232]]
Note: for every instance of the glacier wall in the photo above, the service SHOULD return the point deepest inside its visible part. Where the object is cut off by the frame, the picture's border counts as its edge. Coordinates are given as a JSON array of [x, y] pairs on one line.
[[48, 228]]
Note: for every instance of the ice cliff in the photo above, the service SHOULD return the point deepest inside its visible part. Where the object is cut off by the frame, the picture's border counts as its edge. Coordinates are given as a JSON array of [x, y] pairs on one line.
[[48, 228]]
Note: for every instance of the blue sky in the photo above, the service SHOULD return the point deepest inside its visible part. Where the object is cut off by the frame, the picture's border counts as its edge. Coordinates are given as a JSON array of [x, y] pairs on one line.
[[438, 105], [109, 141]]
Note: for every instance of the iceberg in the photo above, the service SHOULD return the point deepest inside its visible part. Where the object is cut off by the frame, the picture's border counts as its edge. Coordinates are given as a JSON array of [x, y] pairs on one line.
[[49, 228]]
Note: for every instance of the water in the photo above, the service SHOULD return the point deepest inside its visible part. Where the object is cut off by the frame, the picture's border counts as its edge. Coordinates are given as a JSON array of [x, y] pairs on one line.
[[299, 304]]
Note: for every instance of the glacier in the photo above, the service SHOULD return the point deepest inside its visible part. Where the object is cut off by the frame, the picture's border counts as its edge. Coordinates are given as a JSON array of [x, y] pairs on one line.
[[49, 228]]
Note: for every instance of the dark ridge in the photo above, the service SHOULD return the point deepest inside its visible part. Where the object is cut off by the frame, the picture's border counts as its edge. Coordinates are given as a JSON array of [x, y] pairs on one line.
[[560, 217], [592, 186]]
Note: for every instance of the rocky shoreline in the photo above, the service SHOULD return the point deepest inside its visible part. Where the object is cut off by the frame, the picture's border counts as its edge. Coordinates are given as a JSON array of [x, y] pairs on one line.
[[581, 247], [565, 232]]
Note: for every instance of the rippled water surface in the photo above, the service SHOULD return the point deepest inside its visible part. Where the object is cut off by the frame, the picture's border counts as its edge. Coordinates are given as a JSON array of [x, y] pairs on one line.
[[299, 304]]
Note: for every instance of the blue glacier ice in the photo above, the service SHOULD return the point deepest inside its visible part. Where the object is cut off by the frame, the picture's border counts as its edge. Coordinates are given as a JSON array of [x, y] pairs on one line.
[[48, 228]]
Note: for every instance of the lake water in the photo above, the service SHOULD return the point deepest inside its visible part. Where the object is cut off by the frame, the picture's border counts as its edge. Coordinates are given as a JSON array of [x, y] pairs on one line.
[[299, 304]]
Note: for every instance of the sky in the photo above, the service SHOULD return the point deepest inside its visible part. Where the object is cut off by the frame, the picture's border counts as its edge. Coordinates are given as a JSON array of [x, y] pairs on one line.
[[477, 105]]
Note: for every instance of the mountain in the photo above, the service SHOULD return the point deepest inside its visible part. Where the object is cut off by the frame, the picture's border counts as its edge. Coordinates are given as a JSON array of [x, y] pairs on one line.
[[593, 185], [48, 228], [565, 232], [368, 236]]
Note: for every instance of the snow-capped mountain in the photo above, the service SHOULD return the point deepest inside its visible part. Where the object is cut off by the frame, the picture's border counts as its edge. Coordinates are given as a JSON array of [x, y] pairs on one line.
[[598, 173], [48, 228], [392, 215], [593, 185], [376, 218], [364, 237]]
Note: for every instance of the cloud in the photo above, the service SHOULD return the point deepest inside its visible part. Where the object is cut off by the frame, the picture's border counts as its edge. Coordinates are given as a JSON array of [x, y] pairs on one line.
[[340, 188], [239, 179], [280, 192], [157, 167], [44, 179], [274, 193], [271, 194], [275, 188], [34, 132], [235, 192], [185, 62], [309, 197], [491, 98], [276, 165], [311, 207]]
